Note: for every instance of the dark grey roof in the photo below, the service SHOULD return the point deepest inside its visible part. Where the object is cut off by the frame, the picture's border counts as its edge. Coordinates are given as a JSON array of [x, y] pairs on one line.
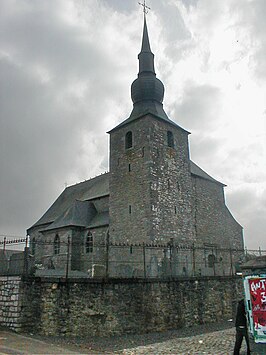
[[148, 108], [79, 215], [87, 190], [68, 209], [196, 170], [257, 263], [101, 219]]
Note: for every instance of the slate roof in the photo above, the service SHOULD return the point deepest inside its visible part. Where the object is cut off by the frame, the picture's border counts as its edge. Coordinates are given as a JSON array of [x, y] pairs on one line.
[[74, 207], [80, 214], [149, 108], [197, 171], [87, 190], [257, 263], [101, 219]]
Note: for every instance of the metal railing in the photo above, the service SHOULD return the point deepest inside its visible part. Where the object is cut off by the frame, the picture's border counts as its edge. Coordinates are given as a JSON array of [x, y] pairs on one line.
[[71, 259]]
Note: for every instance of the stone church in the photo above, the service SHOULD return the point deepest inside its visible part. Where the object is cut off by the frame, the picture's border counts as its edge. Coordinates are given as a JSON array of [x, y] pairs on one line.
[[152, 195]]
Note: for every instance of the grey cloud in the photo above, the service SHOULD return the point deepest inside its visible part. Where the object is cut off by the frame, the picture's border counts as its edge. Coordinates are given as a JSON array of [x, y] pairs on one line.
[[121, 5], [199, 107], [53, 129], [42, 123], [250, 212], [253, 14], [190, 4], [200, 148]]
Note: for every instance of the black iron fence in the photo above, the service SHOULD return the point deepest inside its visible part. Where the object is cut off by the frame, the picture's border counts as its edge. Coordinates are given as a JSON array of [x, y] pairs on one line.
[[68, 259]]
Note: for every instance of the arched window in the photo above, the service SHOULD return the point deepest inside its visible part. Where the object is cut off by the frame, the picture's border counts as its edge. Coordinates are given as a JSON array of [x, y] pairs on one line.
[[170, 139], [128, 140], [56, 245], [89, 243], [33, 246], [211, 260]]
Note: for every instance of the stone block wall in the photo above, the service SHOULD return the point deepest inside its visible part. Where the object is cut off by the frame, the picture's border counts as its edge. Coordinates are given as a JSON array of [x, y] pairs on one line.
[[103, 308], [150, 184], [11, 296], [215, 226]]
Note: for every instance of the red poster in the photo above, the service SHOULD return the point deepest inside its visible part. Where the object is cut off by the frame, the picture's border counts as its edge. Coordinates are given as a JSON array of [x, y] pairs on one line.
[[257, 287]]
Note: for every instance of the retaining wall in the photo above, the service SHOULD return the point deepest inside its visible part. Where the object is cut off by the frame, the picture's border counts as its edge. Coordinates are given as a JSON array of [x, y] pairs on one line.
[[90, 307], [11, 296]]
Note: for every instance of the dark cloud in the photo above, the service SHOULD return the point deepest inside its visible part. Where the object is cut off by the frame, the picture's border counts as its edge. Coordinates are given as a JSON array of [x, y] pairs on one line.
[[54, 88]]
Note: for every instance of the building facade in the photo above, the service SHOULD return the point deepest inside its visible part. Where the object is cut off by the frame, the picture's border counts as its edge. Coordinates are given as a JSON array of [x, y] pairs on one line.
[[153, 195]]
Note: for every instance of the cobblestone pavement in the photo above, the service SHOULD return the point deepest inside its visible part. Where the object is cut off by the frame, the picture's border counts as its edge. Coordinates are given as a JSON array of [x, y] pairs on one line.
[[219, 343], [216, 339]]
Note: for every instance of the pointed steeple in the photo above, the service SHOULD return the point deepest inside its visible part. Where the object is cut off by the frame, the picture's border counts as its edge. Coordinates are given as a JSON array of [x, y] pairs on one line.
[[145, 38], [147, 91], [146, 57]]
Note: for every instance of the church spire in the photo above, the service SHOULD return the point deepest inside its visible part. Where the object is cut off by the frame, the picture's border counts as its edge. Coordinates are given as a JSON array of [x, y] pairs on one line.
[[146, 57], [147, 91], [145, 39]]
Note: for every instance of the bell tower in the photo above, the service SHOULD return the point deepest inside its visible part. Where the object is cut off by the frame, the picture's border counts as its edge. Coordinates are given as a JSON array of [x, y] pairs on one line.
[[150, 181]]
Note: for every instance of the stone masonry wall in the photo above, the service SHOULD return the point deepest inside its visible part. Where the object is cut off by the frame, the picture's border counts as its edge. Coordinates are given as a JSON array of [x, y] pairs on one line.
[[150, 184], [10, 302], [90, 307], [214, 223]]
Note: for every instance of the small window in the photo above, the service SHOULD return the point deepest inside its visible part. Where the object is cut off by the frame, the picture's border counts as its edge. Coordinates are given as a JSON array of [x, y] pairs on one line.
[[175, 210], [168, 184], [89, 243], [129, 140], [170, 139], [129, 209], [143, 152], [129, 167], [33, 246], [211, 260], [56, 245]]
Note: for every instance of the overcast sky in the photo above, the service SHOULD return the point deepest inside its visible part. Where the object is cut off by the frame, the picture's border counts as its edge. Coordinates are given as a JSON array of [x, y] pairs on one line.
[[65, 73]]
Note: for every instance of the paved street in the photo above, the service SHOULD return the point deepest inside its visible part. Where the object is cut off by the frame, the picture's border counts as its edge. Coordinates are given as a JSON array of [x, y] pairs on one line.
[[201, 340], [220, 342]]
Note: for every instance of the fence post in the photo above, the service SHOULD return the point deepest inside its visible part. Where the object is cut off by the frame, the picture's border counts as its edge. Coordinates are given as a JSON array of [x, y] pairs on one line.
[[213, 265], [26, 258], [231, 262], [68, 248], [144, 261], [107, 256], [246, 254], [4, 251], [193, 260]]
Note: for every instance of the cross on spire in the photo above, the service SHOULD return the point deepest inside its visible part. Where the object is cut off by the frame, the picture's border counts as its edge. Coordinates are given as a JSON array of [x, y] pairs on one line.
[[145, 7]]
